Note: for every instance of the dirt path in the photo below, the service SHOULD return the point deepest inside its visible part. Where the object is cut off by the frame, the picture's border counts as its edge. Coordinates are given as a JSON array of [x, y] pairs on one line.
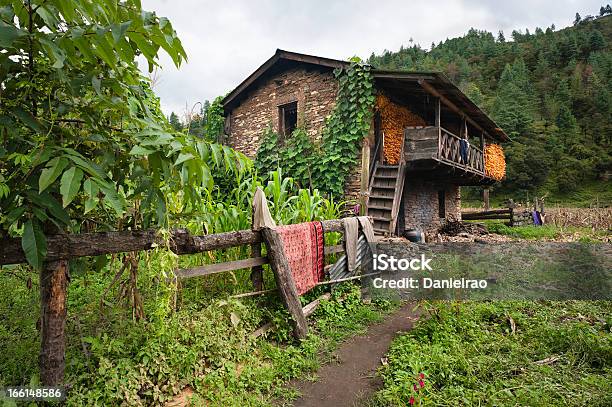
[[353, 379]]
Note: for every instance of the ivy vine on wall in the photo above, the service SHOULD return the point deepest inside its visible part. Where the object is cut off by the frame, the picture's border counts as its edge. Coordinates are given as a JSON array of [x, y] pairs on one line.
[[326, 165]]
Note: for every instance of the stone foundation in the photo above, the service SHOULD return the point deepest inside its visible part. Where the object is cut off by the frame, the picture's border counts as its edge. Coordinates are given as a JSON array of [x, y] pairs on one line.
[[421, 210]]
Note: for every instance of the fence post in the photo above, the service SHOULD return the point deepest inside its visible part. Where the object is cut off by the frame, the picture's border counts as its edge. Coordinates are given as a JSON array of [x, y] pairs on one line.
[[256, 271], [485, 198], [284, 281], [54, 278]]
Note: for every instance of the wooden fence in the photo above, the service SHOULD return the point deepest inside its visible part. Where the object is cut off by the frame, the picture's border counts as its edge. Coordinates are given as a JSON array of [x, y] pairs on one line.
[[502, 214], [61, 248]]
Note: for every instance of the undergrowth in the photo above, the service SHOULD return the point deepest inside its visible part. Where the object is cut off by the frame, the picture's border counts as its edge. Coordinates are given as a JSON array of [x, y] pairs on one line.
[[546, 232], [205, 346], [503, 353]]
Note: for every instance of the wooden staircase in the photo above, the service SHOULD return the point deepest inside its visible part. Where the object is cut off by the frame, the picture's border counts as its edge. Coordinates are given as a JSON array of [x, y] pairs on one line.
[[384, 197]]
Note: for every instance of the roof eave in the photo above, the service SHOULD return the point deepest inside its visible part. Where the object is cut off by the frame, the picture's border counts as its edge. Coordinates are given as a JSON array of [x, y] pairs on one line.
[[278, 55]]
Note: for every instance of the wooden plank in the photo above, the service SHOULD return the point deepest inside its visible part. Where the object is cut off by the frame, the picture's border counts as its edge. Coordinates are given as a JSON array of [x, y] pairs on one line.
[[384, 186], [369, 196], [385, 197], [221, 267], [333, 249], [257, 270], [490, 217], [365, 170], [381, 207], [489, 212], [68, 246], [439, 125], [53, 293], [340, 280], [310, 308], [253, 293], [284, 281]]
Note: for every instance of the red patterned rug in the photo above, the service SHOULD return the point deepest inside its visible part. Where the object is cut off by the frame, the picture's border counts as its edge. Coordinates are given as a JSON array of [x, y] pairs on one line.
[[304, 251]]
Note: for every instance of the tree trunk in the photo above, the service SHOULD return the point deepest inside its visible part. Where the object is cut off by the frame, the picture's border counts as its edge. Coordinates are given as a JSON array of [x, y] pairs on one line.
[[53, 289]]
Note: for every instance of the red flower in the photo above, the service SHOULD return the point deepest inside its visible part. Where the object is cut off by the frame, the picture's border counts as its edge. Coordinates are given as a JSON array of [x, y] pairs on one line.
[[422, 375], [421, 383], [415, 388], [411, 400]]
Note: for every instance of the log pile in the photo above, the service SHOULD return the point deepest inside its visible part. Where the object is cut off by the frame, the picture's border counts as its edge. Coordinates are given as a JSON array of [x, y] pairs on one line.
[[394, 119], [495, 162], [454, 228]]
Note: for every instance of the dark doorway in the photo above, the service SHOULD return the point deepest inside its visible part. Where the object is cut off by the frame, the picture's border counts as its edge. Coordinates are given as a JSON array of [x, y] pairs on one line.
[[287, 118], [441, 204]]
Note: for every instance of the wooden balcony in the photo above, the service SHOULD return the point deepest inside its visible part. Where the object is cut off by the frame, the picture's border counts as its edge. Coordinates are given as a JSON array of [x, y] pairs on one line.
[[437, 151]]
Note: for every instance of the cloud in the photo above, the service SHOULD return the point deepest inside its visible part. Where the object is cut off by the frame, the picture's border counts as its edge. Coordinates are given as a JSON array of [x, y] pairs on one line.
[[227, 40]]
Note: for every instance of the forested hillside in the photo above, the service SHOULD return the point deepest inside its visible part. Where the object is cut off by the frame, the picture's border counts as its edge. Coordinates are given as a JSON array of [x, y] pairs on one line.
[[549, 90]]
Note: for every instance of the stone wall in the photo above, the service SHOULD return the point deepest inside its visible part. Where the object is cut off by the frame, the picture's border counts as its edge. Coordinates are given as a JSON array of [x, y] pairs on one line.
[[421, 204], [314, 90]]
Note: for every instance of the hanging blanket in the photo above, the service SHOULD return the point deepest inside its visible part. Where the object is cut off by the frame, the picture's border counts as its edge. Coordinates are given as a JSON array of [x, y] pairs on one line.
[[303, 245]]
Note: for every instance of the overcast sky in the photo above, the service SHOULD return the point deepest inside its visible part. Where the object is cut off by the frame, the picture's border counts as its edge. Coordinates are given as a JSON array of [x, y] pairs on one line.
[[227, 40]]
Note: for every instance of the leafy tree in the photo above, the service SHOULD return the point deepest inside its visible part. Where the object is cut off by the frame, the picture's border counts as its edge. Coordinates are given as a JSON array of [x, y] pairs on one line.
[[175, 122], [85, 145], [578, 19], [597, 41], [514, 104], [215, 121]]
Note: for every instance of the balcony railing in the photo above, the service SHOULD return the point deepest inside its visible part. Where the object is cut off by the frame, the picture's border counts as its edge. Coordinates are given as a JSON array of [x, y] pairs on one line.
[[449, 150]]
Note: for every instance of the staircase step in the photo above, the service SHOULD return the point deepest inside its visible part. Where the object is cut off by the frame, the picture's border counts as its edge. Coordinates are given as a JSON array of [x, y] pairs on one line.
[[381, 219], [386, 208], [388, 166], [384, 186], [388, 198], [377, 230], [385, 176]]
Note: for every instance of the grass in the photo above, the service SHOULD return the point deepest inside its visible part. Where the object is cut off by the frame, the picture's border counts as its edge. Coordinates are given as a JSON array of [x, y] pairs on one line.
[[545, 232], [204, 345], [503, 353], [587, 195]]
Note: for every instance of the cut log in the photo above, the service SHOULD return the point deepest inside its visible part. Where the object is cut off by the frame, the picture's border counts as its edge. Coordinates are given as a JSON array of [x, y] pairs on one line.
[[485, 214], [53, 290], [487, 217], [284, 281], [67, 246]]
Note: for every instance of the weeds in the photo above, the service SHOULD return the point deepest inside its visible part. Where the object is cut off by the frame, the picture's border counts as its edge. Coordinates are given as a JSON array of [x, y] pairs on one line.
[[504, 353], [547, 232]]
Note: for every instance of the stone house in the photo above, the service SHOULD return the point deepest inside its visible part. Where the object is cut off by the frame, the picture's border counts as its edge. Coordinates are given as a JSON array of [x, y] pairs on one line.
[[427, 138]]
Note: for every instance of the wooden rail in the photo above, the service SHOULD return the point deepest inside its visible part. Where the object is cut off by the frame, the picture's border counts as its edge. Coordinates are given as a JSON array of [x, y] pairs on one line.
[[450, 151], [70, 246], [503, 214], [62, 247]]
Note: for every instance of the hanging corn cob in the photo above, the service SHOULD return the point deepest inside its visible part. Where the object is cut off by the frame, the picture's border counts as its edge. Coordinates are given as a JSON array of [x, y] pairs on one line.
[[495, 162], [394, 119]]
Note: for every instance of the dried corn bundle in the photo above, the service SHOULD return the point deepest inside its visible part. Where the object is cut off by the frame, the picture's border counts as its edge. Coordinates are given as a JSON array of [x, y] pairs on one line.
[[495, 162], [394, 119]]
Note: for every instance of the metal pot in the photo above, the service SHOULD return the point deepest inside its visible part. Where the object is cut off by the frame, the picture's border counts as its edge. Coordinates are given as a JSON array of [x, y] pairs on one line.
[[414, 235]]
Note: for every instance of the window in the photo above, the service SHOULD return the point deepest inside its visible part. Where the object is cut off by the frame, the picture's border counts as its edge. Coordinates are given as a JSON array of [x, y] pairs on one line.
[[287, 118], [441, 204]]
